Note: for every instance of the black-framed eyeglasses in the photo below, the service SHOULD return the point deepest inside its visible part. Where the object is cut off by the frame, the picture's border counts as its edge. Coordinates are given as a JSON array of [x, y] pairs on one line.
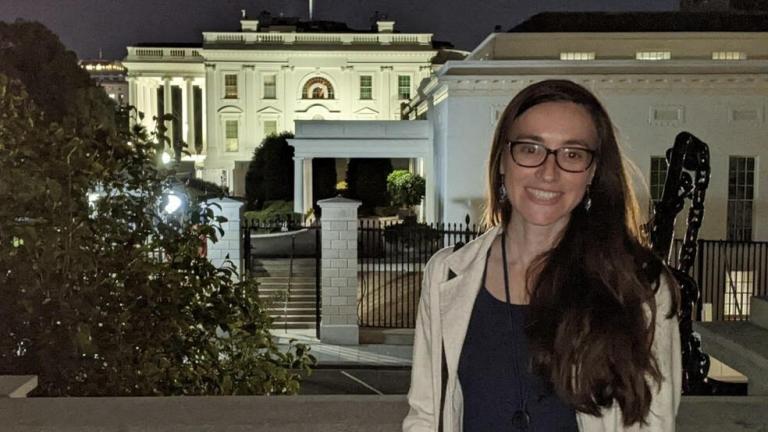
[[569, 159]]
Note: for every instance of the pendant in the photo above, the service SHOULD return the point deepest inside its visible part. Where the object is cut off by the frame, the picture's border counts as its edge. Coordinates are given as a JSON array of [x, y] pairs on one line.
[[521, 420]]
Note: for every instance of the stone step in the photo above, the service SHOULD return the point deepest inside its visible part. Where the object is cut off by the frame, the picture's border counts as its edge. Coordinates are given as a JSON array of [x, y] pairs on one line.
[[284, 279], [296, 305], [293, 318], [294, 325], [758, 311], [292, 311], [741, 345], [284, 285]]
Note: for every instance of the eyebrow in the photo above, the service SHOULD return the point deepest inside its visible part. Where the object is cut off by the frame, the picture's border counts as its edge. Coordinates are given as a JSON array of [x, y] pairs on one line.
[[538, 139]]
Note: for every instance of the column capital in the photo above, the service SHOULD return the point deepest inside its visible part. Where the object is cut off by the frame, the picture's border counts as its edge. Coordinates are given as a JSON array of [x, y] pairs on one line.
[[210, 66]]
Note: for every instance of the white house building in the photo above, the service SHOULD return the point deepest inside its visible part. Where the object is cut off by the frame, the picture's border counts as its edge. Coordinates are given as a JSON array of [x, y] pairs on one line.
[[238, 87], [710, 79]]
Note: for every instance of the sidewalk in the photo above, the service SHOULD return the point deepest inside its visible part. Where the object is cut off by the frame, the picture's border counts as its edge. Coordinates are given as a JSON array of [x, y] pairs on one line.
[[348, 355]]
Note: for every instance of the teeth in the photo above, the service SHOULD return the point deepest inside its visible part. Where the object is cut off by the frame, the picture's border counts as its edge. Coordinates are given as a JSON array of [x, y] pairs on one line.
[[543, 195]]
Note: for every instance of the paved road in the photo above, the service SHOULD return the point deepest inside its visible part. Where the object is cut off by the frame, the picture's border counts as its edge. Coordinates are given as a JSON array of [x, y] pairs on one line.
[[369, 381]]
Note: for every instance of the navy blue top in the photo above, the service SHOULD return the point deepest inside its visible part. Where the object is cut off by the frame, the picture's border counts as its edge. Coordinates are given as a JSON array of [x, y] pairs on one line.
[[487, 374]]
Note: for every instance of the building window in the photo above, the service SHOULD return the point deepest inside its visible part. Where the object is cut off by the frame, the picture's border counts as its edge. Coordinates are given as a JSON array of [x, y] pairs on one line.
[[270, 127], [403, 87], [231, 136], [577, 56], [739, 287], [366, 87], [653, 55], [230, 86], [317, 88], [741, 188], [658, 177], [270, 87], [729, 55]]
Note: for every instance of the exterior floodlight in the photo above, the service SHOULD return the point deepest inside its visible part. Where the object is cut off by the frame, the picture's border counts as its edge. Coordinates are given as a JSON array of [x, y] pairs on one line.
[[166, 158], [173, 204]]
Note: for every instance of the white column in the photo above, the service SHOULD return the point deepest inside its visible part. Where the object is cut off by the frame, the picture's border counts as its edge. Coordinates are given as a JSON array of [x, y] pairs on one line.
[[430, 190], [386, 90], [338, 324], [168, 108], [133, 94], [298, 185], [210, 95], [190, 114], [307, 184]]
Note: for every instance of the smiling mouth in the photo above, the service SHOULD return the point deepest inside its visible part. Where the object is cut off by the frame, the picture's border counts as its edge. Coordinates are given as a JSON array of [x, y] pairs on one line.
[[541, 195]]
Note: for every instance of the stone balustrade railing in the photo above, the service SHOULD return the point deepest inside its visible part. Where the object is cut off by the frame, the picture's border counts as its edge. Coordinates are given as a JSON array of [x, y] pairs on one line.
[[255, 38], [165, 54]]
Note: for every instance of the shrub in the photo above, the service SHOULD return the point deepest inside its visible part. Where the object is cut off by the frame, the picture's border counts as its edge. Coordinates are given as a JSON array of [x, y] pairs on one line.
[[405, 188]]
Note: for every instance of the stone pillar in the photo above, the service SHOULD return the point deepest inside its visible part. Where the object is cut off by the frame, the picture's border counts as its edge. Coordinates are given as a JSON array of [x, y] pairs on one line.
[[307, 190], [133, 95], [168, 108], [386, 92], [190, 114], [229, 244], [338, 324], [298, 185]]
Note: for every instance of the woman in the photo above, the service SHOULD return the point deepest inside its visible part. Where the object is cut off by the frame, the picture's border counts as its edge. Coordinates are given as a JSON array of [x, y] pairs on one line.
[[559, 317]]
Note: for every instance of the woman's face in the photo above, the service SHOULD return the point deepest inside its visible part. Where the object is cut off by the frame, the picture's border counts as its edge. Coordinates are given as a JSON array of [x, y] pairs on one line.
[[546, 195]]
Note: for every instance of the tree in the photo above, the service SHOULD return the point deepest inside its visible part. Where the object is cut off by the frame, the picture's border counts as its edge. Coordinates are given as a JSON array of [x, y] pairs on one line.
[[367, 182], [270, 173], [111, 296], [63, 91]]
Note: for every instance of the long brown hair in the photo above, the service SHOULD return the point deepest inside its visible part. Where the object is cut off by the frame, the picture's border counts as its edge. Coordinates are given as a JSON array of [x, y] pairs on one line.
[[587, 326]]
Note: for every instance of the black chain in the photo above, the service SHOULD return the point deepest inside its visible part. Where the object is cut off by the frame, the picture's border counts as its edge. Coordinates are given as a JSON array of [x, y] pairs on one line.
[[691, 154]]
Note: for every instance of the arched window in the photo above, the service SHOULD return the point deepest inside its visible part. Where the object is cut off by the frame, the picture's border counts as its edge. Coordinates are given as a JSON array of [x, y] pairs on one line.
[[317, 88]]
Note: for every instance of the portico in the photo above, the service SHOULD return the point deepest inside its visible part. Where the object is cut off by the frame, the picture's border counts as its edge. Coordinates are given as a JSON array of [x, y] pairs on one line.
[[362, 139]]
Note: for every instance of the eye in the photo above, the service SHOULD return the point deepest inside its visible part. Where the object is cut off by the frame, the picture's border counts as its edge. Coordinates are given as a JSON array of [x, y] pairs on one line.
[[574, 154], [528, 148]]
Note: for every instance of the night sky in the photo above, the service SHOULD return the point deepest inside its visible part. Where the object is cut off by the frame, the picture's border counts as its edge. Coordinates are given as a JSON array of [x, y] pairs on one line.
[[86, 26]]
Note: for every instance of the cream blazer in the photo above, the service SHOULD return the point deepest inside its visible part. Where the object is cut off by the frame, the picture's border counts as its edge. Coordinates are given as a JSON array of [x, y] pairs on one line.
[[444, 312]]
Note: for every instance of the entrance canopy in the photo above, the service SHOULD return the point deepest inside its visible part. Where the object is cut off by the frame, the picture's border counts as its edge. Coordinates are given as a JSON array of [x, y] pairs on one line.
[[361, 139]]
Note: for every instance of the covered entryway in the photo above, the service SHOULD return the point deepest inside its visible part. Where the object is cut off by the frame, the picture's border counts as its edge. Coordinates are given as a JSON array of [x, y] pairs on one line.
[[362, 139]]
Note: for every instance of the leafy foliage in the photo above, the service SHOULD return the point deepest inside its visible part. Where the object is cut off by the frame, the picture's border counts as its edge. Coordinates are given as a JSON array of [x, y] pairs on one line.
[[367, 182], [405, 188], [112, 297], [270, 173]]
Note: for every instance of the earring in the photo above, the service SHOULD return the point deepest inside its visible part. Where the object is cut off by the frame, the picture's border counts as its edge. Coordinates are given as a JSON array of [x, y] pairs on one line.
[[502, 190], [587, 200]]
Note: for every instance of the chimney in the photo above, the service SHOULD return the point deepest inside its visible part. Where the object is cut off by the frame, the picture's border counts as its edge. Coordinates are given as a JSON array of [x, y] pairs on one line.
[[385, 26], [249, 25]]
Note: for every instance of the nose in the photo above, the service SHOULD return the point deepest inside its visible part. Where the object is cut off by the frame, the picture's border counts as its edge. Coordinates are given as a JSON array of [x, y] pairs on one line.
[[549, 170]]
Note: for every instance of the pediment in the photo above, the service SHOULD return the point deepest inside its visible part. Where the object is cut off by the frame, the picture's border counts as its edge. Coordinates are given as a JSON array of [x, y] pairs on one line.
[[317, 108], [269, 110], [230, 109], [367, 111]]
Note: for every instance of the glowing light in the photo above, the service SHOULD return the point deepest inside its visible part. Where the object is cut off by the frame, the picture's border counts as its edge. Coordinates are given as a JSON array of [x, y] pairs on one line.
[[173, 204], [166, 158]]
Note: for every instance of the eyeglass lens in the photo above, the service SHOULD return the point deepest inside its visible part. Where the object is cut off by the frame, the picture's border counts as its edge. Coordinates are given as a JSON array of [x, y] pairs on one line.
[[573, 159]]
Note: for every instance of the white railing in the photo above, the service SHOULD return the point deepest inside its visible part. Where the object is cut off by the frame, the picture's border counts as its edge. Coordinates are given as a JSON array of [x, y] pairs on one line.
[[419, 39], [175, 54]]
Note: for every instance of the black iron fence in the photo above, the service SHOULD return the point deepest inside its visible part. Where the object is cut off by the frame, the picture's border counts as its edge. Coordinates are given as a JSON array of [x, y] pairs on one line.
[[391, 256], [728, 274]]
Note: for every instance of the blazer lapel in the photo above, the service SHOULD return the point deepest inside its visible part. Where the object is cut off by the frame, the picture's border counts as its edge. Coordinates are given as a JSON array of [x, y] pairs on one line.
[[457, 295]]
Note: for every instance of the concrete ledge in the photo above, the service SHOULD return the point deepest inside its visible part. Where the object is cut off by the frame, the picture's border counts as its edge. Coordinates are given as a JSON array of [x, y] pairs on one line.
[[17, 386], [297, 414], [758, 311], [340, 334], [742, 346]]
